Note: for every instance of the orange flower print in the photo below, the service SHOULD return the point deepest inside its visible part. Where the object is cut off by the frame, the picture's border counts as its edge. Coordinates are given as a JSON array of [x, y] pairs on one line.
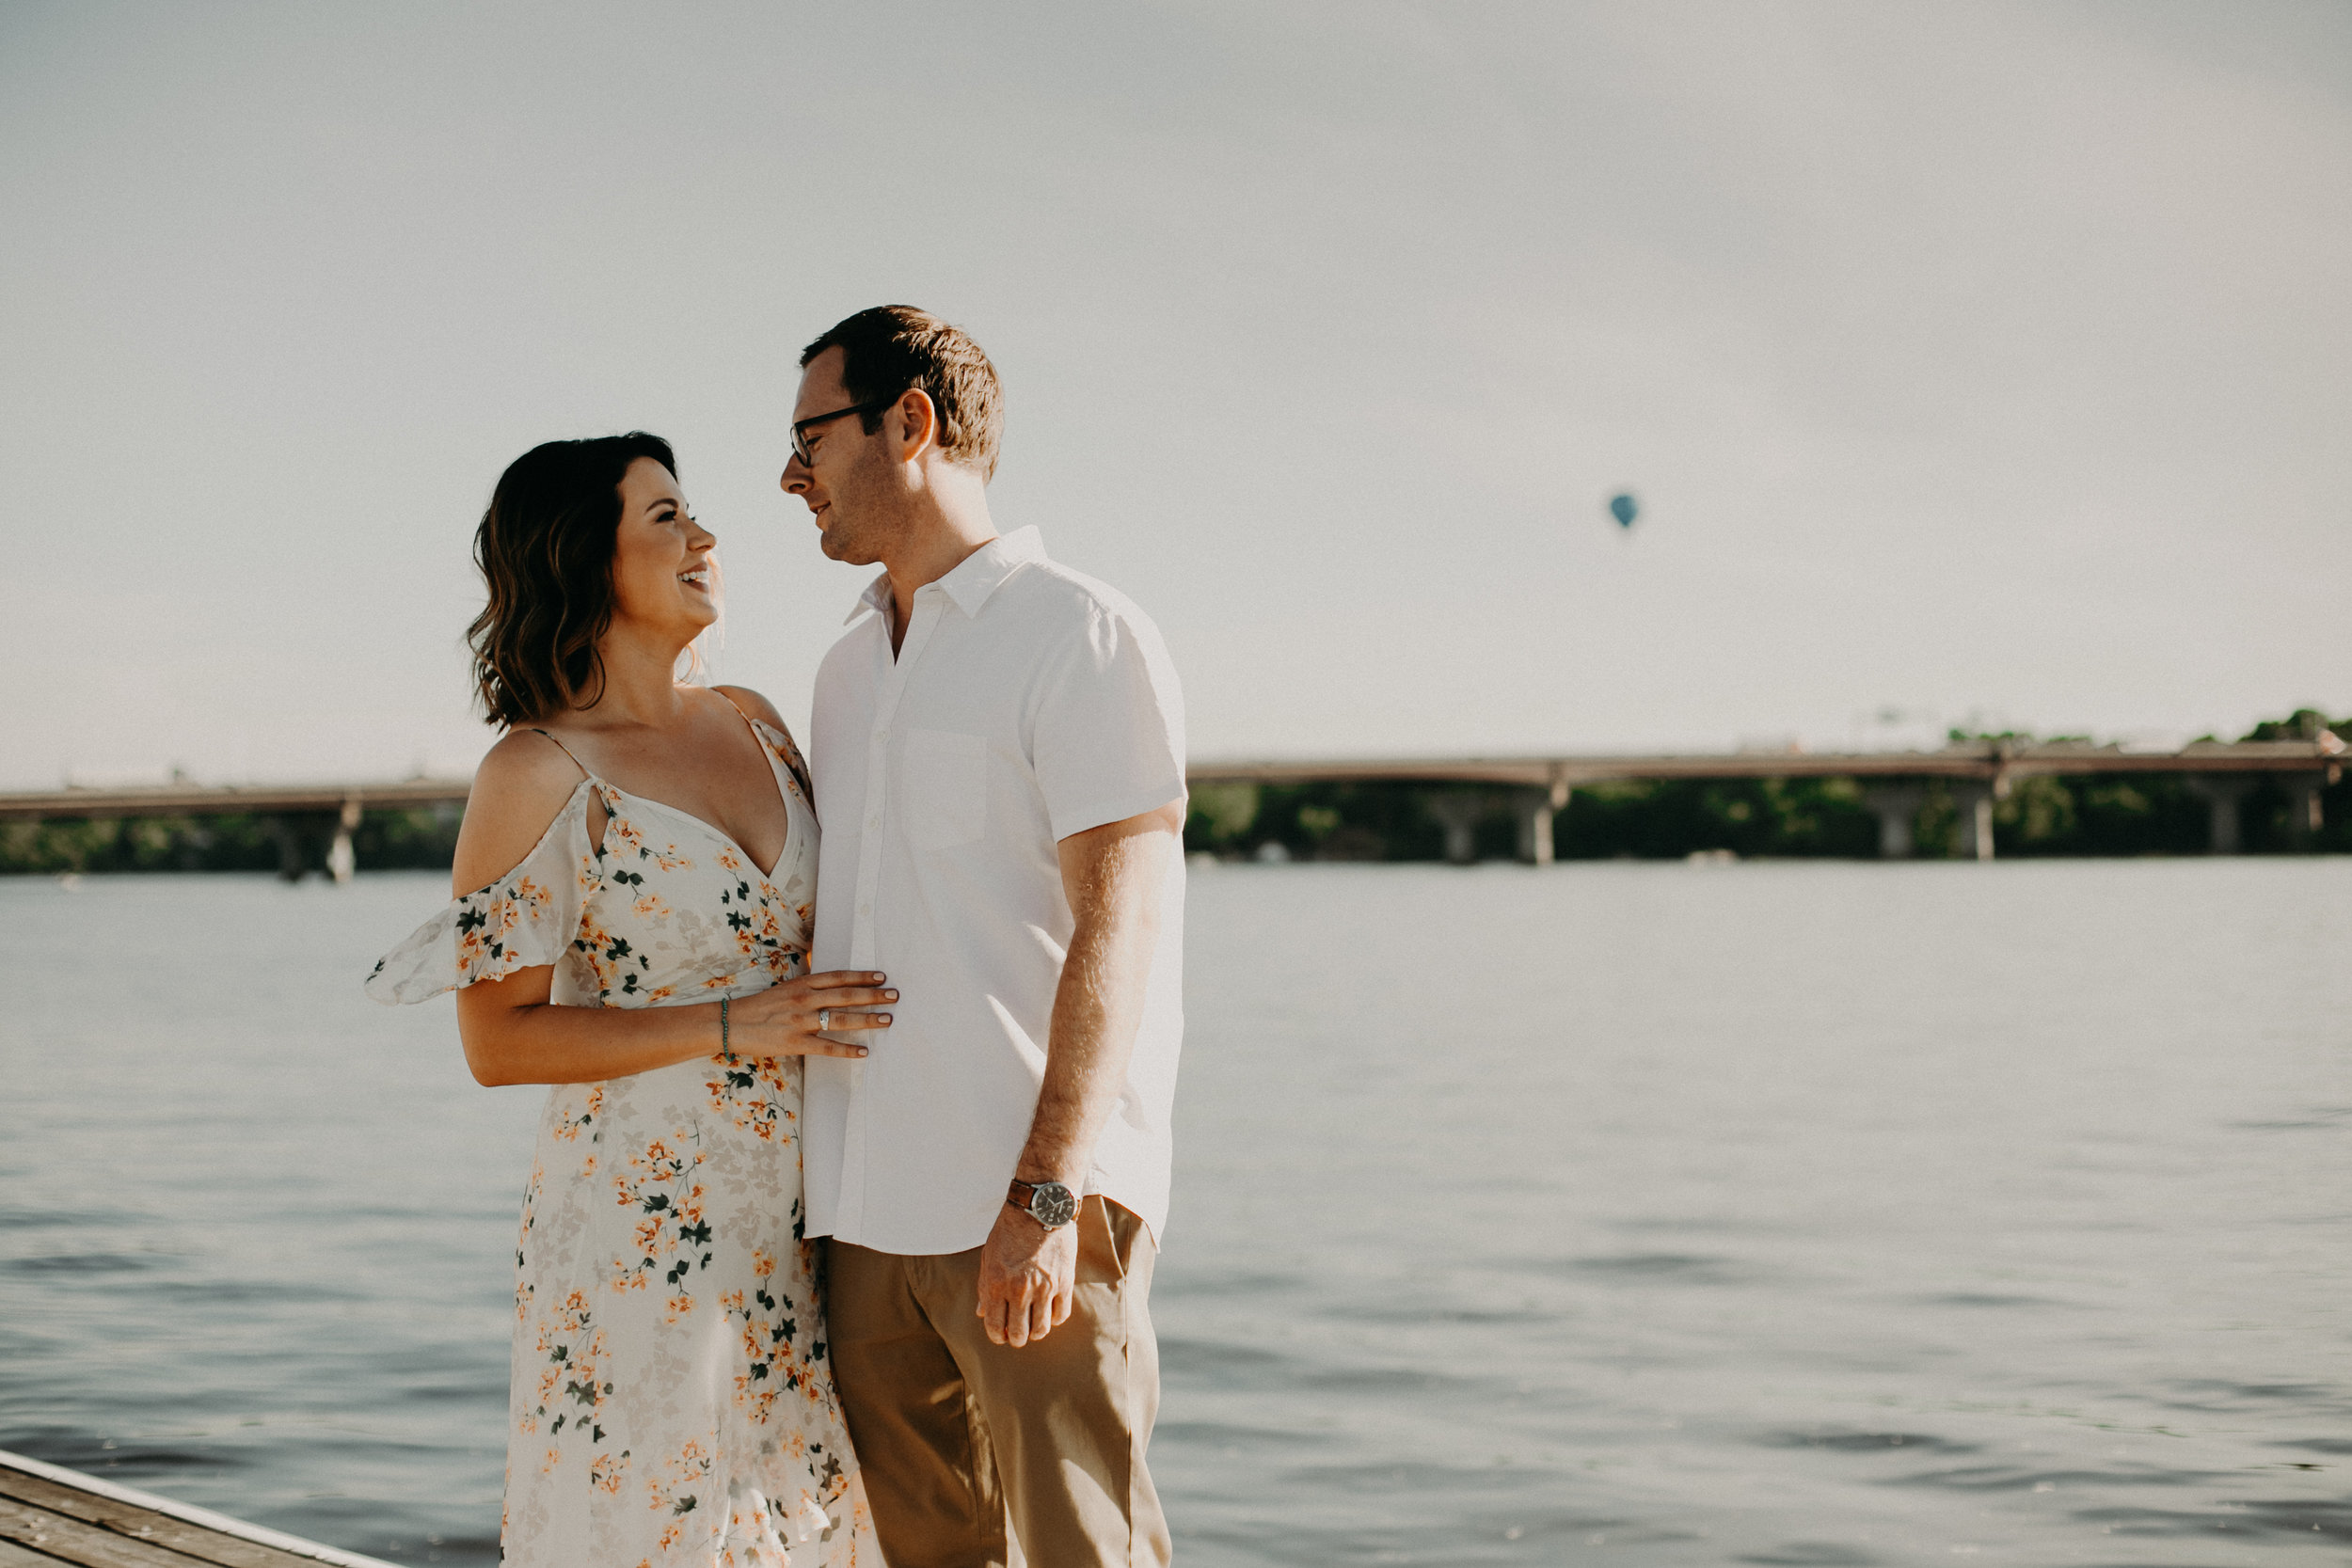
[[573, 1382], [671, 1226], [570, 1127], [605, 1473], [766, 1325], [755, 1095], [619, 830], [677, 1492]]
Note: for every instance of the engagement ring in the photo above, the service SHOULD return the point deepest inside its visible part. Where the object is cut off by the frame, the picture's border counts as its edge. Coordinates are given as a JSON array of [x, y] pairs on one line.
[[823, 1017]]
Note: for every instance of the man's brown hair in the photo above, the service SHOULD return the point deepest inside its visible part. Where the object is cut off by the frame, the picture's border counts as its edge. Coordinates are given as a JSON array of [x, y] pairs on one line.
[[889, 349]]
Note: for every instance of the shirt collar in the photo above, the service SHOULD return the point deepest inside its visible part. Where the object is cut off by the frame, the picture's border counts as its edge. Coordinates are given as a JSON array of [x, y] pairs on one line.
[[977, 577]]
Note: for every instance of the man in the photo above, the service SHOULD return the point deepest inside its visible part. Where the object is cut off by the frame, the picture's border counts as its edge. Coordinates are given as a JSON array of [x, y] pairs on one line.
[[998, 747]]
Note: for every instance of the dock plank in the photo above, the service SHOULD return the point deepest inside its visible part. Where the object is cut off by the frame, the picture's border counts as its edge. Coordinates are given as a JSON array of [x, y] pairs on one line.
[[51, 1514], [143, 1523], [70, 1539]]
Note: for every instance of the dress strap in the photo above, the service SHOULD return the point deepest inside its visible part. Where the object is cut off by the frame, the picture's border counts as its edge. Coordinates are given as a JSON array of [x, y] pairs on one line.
[[567, 752], [798, 768]]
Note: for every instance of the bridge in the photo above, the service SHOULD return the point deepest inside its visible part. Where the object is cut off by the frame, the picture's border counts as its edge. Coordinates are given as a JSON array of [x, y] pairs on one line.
[[1895, 783]]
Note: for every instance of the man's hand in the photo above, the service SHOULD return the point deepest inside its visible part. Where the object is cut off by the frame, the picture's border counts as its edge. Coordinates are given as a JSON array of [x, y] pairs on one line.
[[1027, 1273]]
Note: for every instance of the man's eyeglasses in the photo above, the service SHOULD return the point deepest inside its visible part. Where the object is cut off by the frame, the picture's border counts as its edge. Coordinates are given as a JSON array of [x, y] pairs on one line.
[[800, 427]]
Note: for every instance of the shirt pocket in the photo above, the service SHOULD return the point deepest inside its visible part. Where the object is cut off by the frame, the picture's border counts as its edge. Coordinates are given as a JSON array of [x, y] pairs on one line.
[[942, 794]]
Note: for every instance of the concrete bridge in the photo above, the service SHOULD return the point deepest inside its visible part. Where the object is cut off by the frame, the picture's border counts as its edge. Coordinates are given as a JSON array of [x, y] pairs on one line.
[[299, 817], [1894, 785]]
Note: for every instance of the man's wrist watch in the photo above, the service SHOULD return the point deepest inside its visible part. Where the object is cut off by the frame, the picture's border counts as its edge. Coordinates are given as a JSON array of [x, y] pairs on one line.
[[1049, 1203]]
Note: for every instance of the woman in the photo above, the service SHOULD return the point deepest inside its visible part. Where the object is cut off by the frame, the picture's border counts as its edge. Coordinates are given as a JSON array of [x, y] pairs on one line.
[[615, 936]]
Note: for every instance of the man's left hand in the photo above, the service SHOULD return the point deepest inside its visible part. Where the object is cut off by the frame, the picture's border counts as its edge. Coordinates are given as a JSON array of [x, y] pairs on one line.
[[1027, 1273]]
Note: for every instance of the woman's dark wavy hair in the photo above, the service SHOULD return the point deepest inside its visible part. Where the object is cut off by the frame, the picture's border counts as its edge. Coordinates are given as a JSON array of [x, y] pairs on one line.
[[544, 548]]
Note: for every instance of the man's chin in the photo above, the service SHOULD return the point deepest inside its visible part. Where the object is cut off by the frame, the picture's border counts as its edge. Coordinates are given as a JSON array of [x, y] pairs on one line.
[[845, 550]]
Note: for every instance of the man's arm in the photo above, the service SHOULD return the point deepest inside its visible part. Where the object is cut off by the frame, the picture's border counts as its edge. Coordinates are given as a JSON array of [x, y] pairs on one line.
[[1113, 876]]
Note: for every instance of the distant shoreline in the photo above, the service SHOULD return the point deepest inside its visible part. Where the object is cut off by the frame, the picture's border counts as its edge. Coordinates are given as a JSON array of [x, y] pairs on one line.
[[1379, 821], [2096, 817]]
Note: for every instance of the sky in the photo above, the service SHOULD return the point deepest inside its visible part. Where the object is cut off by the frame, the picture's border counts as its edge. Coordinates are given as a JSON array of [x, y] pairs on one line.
[[1975, 364]]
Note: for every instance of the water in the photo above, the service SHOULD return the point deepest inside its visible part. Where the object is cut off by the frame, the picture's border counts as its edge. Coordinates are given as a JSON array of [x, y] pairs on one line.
[[1799, 1214]]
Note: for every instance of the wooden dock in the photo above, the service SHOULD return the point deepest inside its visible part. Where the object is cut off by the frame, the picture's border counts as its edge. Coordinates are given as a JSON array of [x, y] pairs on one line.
[[50, 1515]]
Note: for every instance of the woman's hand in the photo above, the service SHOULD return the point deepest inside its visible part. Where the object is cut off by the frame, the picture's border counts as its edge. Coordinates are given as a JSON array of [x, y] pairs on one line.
[[783, 1020]]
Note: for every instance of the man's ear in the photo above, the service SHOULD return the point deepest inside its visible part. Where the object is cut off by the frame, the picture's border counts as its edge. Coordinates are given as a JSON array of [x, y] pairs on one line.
[[918, 424]]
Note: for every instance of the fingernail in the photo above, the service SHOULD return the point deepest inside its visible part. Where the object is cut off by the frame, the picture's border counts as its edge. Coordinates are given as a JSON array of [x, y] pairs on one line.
[[862, 1052], [884, 1017], [890, 996]]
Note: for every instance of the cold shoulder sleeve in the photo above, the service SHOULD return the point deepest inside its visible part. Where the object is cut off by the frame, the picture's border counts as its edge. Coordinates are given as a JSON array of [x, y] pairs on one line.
[[529, 917]]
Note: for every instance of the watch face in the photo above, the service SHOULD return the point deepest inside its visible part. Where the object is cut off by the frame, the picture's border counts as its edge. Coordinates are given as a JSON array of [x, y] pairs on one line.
[[1051, 1204]]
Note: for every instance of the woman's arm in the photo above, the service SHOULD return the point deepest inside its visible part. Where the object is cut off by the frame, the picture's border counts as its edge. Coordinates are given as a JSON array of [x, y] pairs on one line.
[[514, 1035]]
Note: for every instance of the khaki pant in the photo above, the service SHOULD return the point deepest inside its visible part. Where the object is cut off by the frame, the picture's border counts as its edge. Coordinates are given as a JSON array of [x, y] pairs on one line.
[[954, 1432]]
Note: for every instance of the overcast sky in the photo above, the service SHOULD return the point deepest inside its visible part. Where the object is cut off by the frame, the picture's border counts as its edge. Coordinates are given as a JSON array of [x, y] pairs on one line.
[[1988, 364]]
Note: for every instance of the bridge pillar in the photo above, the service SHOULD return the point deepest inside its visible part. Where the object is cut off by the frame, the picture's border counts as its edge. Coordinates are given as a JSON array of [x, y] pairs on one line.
[[2224, 793], [292, 862], [341, 861], [1458, 812], [1897, 807], [1537, 808], [2303, 808], [1974, 804]]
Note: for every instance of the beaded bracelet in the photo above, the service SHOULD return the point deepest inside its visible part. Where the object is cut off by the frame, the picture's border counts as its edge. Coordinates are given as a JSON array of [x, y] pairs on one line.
[[724, 1047]]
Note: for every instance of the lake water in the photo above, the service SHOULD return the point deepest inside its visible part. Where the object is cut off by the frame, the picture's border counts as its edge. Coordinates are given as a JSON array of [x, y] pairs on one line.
[[1662, 1214]]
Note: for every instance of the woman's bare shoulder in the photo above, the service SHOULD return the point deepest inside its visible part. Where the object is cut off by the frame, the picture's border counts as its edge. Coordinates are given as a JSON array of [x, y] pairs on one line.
[[755, 705], [523, 783]]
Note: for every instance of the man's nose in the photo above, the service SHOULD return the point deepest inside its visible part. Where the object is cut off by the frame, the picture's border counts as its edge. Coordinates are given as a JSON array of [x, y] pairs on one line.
[[795, 478]]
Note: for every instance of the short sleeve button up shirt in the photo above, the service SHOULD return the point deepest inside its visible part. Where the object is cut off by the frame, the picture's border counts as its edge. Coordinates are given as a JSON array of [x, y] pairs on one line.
[[1027, 702]]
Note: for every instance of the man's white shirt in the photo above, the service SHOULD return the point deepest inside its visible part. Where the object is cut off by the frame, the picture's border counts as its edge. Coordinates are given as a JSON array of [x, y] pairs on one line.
[[1027, 702]]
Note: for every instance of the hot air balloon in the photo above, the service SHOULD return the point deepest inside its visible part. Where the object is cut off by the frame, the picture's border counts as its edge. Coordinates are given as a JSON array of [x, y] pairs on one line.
[[1623, 507]]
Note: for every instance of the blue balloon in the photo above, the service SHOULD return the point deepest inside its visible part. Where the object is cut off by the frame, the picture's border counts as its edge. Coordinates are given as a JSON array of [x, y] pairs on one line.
[[1623, 507]]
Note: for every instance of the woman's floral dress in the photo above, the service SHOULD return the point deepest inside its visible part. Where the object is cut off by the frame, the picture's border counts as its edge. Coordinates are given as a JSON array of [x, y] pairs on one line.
[[672, 1401]]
